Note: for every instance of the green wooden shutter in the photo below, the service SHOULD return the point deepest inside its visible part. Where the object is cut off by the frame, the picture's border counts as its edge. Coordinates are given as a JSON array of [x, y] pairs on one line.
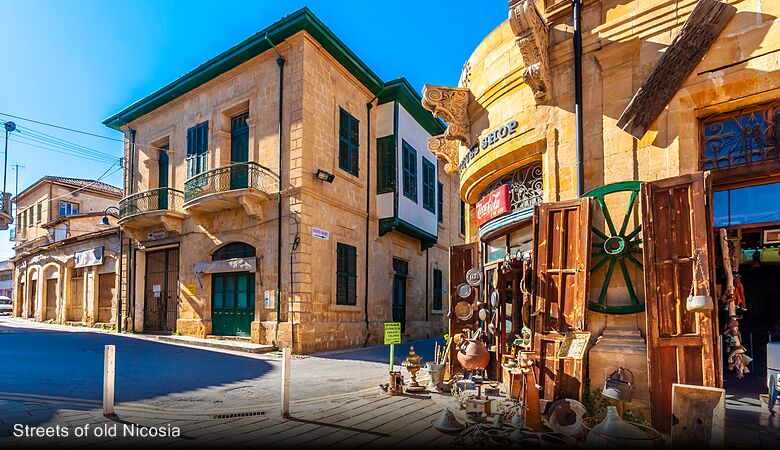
[[346, 274], [429, 186], [440, 202], [409, 163], [354, 146], [349, 143], [385, 171]]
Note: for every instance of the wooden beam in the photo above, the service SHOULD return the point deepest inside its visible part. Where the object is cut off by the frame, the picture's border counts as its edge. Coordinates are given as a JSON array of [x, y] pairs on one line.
[[697, 35]]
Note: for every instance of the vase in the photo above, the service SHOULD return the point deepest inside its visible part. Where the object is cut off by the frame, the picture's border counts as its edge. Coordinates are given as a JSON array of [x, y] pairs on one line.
[[616, 432], [474, 356]]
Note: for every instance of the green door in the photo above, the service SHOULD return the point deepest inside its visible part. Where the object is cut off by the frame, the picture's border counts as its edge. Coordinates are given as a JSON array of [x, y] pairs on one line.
[[239, 152], [232, 303]]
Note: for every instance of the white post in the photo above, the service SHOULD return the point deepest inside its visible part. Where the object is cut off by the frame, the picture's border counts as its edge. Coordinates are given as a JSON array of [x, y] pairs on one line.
[[286, 382], [109, 361]]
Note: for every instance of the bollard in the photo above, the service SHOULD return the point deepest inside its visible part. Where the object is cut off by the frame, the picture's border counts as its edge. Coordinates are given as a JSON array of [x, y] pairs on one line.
[[109, 361], [286, 383]]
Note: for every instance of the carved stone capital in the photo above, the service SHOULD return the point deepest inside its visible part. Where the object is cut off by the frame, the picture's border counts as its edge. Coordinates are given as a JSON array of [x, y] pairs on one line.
[[533, 39], [446, 150], [451, 105]]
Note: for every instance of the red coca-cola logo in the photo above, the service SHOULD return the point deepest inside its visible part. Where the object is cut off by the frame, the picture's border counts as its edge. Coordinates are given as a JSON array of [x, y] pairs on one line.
[[493, 205]]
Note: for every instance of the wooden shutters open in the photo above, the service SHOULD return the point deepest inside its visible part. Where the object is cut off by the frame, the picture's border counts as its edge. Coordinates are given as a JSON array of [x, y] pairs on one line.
[[682, 346], [561, 262], [462, 315]]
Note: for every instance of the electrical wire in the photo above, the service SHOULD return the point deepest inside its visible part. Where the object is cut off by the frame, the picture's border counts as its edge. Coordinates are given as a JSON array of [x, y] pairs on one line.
[[61, 127]]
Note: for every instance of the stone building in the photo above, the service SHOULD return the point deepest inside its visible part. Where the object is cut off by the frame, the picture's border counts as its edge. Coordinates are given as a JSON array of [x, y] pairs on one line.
[[680, 125], [6, 279], [66, 264], [354, 233]]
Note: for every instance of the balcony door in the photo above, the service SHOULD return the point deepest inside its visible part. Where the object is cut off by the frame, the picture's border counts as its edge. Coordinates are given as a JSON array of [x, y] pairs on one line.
[[239, 151], [162, 176], [401, 270]]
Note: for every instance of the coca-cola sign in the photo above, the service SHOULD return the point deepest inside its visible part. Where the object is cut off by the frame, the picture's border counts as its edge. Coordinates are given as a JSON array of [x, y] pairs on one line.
[[493, 204]]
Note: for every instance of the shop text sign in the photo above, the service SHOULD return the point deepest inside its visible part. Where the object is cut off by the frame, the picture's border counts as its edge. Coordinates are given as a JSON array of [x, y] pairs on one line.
[[493, 204], [489, 140], [392, 333]]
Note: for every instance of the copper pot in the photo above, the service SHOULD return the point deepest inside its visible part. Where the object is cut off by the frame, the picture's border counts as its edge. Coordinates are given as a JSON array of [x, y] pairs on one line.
[[473, 355]]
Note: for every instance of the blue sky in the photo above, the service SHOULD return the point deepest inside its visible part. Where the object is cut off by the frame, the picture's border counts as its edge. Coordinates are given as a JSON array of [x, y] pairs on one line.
[[74, 63]]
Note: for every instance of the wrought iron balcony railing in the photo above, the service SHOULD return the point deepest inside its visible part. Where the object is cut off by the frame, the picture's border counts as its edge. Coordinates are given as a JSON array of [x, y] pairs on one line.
[[228, 178], [152, 200], [5, 203]]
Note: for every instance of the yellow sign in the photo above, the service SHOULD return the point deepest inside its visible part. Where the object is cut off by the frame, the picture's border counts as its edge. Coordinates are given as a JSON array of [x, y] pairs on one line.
[[392, 333], [192, 289]]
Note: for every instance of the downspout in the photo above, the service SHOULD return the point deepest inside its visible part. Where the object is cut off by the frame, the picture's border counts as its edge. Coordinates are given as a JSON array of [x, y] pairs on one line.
[[130, 249], [369, 105], [280, 63], [577, 10], [427, 282]]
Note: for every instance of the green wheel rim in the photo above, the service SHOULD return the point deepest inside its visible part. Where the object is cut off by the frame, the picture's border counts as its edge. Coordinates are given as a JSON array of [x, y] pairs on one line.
[[615, 248]]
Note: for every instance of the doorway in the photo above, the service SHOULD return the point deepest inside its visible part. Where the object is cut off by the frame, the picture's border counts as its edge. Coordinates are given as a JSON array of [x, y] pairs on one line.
[[239, 151], [401, 269], [162, 176], [106, 293], [161, 292], [232, 304], [75, 310], [51, 299], [33, 297]]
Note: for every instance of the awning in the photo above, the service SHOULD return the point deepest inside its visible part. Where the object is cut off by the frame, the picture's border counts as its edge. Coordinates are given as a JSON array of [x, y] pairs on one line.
[[227, 265]]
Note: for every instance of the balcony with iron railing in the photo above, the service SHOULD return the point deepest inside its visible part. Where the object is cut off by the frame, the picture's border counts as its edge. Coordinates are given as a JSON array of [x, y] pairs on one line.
[[246, 184], [154, 207]]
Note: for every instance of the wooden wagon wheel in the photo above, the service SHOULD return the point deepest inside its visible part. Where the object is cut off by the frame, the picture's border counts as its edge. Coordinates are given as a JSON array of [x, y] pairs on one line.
[[616, 247]]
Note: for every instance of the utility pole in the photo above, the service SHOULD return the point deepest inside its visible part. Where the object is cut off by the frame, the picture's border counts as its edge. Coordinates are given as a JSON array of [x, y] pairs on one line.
[[16, 167], [9, 128]]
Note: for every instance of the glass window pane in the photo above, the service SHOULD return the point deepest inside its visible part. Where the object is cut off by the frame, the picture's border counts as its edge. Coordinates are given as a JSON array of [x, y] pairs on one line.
[[754, 204]]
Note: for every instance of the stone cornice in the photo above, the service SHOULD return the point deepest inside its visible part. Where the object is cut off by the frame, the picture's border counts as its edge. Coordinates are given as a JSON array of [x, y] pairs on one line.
[[533, 39], [450, 104]]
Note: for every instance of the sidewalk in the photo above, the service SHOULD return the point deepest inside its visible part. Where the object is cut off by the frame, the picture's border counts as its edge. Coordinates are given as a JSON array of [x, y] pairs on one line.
[[372, 419]]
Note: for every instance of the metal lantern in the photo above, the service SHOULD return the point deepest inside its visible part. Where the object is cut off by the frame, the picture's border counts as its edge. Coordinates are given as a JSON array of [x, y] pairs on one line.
[[617, 387]]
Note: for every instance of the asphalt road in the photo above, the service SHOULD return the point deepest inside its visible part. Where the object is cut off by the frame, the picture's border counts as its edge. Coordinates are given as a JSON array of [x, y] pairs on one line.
[[67, 362]]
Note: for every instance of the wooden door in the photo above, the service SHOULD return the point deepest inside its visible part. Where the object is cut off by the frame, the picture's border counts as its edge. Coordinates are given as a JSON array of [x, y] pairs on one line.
[[232, 303], [33, 297], [462, 258], [76, 301], [106, 293], [561, 265], [399, 300], [682, 346], [162, 178], [51, 299]]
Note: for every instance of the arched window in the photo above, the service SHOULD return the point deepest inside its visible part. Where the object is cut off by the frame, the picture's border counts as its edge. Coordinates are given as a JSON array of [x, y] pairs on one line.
[[234, 250]]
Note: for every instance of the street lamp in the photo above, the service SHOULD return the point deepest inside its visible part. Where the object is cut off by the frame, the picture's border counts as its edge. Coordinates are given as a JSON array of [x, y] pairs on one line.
[[104, 222]]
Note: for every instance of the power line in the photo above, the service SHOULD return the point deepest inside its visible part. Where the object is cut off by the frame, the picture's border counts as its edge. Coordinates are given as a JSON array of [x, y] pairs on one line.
[[65, 152], [62, 128], [47, 138]]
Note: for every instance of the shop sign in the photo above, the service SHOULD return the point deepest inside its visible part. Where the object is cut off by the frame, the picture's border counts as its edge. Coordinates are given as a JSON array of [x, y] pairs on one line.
[[489, 140], [91, 257], [156, 234], [392, 333], [320, 233], [493, 205], [191, 289]]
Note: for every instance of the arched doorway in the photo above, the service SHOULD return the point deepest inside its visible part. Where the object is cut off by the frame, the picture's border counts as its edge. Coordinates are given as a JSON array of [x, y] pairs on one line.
[[32, 294], [51, 281], [233, 293]]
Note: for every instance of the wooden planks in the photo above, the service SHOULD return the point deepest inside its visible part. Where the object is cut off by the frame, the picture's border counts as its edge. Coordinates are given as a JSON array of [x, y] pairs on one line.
[[698, 416], [681, 345], [697, 35], [561, 266]]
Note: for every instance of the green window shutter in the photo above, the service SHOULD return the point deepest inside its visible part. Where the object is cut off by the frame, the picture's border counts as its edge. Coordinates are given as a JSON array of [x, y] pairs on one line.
[[385, 170], [409, 163], [440, 202], [197, 148], [346, 274], [429, 186], [349, 143], [437, 289]]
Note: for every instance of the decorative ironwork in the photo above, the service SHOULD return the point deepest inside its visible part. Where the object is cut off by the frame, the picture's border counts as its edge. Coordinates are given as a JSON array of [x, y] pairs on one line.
[[526, 186], [245, 175], [151, 200], [742, 137]]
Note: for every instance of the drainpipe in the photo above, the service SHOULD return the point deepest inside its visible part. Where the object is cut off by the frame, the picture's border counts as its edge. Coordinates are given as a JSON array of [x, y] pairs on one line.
[[427, 281], [577, 10], [130, 250], [280, 63], [369, 105]]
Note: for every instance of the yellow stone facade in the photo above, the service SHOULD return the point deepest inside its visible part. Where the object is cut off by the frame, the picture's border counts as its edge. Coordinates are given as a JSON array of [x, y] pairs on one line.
[[316, 86], [622, 41]]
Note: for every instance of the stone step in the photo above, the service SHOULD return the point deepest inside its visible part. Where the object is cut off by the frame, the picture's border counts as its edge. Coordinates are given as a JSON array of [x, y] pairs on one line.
[[222, 344]]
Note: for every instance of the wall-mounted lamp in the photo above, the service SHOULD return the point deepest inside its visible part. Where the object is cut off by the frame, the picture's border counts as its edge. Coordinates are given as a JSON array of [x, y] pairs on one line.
[[325, 176]]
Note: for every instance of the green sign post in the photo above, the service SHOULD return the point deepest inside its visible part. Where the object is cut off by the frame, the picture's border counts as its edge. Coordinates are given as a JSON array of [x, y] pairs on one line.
[[392, 337]]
